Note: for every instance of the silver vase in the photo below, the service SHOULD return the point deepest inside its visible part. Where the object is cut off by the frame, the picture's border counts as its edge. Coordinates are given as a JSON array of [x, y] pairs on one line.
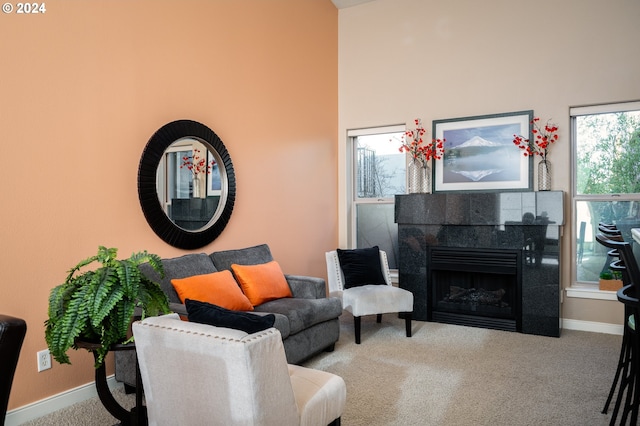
[[544, 175], [418, 177]]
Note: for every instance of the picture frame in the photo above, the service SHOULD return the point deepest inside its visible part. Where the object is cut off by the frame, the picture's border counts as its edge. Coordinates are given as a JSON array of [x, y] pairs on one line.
[[479, 153]]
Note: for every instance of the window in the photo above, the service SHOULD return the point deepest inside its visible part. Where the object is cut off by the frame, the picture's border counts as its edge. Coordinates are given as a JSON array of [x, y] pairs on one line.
[[178, 178], [377, 173], [606, 158], [176, 182]]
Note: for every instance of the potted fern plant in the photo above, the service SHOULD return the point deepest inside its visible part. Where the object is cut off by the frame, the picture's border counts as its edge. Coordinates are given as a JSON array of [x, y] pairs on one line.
[[97, 306]]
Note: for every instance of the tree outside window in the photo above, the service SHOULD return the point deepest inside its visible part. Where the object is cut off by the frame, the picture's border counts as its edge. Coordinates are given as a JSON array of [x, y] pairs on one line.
[[607, 180]]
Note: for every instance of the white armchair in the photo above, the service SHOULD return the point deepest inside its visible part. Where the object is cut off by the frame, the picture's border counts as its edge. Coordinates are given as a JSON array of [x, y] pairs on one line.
[[197, 374], [368, 299]]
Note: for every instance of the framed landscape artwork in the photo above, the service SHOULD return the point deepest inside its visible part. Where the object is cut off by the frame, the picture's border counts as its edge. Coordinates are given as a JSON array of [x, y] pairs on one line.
[[479, 153]]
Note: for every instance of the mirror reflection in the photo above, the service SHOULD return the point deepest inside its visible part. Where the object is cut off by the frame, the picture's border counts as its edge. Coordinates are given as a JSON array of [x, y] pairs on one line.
[[190, 183], [186, 184]]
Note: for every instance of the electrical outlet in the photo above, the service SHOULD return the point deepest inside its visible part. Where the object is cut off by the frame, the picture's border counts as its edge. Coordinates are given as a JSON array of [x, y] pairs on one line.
[[44, 360]]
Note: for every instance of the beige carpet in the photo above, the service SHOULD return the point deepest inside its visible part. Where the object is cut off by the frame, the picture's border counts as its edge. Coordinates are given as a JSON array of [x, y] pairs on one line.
[[452, 375]]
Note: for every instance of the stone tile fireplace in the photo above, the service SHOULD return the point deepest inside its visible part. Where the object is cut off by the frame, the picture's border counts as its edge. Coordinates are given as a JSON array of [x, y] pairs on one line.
[[486, 259]]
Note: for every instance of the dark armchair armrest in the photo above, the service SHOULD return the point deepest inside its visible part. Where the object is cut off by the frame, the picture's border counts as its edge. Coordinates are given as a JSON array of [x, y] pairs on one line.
[[307, 287]]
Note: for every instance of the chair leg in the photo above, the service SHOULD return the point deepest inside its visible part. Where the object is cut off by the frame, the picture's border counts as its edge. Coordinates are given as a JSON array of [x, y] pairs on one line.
[[627, 408], [616, 377], [407, 321], [635, 385], [635, 406], [624, 381], [356, 325]]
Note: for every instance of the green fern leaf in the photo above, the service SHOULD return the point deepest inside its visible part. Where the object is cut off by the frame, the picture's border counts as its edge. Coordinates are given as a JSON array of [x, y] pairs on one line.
[[106, 255], [69, 327], [153, 300], [79, 266], [129, 275], [107, 294]]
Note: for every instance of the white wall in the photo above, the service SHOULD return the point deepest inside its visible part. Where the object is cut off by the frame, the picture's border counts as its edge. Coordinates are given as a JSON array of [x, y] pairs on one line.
[[437, 59]]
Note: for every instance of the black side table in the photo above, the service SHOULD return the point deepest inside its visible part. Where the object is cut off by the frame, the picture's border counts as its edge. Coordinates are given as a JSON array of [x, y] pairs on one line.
[[138, 414]]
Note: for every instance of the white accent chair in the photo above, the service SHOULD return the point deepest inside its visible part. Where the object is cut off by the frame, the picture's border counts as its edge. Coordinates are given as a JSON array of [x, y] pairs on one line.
[[369, 299], [197, 374]]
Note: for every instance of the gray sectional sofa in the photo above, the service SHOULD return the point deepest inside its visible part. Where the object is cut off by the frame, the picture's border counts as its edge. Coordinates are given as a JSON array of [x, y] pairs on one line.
[[308, 321]]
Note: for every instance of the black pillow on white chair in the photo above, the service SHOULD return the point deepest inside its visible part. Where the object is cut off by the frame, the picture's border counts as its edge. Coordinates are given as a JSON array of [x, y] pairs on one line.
[[361, 266]]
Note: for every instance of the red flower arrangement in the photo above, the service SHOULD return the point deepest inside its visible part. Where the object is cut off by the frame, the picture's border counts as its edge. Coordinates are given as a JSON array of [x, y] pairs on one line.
[[197, 164], [418, 151], [543, 138]]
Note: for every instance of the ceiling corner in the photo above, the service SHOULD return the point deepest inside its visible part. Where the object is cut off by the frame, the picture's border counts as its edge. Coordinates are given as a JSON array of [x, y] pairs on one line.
[[341, 4]]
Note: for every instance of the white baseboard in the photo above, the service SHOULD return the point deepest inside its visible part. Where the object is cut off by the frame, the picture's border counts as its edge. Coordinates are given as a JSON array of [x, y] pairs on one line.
[[54, 403], [596, 327]]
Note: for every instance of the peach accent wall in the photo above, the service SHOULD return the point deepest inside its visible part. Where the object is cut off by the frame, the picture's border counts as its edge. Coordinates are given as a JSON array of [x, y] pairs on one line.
[[85, 85], [438, 59]]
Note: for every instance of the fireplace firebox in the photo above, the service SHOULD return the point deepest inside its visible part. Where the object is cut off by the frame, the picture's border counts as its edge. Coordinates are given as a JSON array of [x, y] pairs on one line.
[[475, 287]]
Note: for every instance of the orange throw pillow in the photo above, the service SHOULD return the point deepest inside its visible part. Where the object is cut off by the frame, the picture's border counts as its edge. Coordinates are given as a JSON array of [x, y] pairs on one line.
[[262, 283], [217, 288]]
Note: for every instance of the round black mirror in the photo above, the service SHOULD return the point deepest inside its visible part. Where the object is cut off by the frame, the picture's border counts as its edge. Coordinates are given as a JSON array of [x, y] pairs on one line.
[[186, 184]]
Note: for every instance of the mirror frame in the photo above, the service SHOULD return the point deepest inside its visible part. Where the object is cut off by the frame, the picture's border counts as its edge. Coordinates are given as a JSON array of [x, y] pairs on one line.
[[148, 191]]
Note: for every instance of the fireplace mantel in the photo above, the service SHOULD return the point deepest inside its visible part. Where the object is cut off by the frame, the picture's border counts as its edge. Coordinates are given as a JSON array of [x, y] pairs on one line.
[[491, 220]]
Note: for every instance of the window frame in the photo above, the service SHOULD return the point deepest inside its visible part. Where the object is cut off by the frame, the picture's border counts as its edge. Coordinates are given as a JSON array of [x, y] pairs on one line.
[[351, 191], [589, 289]]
